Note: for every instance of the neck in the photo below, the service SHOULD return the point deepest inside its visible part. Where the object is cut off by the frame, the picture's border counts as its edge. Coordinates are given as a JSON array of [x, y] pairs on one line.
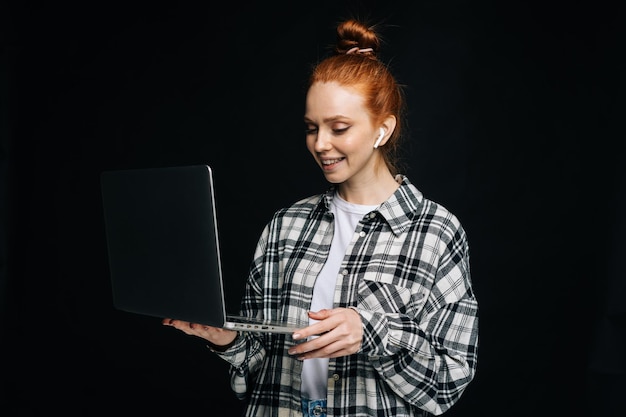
[[370, 191]]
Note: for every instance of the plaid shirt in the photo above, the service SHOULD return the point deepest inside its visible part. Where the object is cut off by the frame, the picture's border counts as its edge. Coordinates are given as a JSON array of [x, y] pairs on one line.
[[406, 271]]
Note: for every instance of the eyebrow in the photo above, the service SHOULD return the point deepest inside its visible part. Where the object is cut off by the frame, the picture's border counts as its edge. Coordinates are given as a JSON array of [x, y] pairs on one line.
[[329, 119]]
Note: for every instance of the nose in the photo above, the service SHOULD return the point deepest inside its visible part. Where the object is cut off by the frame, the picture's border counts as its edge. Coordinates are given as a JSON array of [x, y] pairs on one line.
[[322, 142]]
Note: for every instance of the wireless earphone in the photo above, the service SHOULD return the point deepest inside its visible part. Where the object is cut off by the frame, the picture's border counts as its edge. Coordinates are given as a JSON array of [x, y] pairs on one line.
[[382, 133]]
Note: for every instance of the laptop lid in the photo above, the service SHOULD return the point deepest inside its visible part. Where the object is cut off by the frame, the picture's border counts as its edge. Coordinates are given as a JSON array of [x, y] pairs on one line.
[[163, 246]]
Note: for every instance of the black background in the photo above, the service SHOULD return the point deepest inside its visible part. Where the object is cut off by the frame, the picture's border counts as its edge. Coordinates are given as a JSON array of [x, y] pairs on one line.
[[516, 125]]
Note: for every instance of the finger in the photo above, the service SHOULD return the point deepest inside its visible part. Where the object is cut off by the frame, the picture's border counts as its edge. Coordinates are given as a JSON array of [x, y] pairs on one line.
[[182, 325], [334, 349], [327, 321], [331, 350], [319, 315], [314, 343], [315, 329]]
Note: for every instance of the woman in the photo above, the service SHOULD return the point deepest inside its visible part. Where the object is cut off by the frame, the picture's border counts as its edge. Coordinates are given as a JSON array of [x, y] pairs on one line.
[[376, 276]]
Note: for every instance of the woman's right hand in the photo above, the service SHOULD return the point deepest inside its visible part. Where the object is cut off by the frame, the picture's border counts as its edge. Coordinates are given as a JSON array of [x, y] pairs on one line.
[[214, 335]]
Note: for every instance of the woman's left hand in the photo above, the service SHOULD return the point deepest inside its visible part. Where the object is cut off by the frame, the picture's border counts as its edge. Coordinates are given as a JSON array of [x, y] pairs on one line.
[[339, 332]]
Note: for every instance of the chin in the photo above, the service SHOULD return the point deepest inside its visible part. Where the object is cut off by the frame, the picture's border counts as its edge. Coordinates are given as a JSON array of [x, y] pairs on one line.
[[333, 179]]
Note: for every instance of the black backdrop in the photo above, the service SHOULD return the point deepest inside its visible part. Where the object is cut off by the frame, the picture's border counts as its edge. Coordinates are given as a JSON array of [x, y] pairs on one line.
[[516, 125]]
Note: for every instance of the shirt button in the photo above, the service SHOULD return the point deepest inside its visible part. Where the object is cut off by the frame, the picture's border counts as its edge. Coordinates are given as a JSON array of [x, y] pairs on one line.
[[362, 234], [372, 215], [336, 377], [344, 272]]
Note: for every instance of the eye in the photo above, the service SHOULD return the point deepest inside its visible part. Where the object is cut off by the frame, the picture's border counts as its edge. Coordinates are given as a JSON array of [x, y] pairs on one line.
[[309, 128], [340, 130]]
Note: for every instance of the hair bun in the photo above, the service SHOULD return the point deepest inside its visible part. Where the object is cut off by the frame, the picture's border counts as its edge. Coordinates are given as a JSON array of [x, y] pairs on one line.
[[355, 37]]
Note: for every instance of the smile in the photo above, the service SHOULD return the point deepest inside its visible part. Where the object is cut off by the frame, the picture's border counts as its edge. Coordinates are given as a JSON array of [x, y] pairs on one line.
[[327, 162]]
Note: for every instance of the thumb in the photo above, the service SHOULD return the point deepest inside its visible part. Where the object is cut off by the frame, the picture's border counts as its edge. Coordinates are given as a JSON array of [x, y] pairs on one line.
[[319, 315]]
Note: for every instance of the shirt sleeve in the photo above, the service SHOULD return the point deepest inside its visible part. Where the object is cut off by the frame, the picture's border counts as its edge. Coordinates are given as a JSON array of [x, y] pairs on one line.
[[247, 354], [245, 357]]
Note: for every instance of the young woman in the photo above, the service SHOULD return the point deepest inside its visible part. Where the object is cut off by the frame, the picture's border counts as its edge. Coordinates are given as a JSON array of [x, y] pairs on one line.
[[376, 276]]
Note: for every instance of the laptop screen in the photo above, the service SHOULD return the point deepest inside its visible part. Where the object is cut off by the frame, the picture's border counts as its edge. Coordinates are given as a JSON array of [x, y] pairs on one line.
[[162, 243]]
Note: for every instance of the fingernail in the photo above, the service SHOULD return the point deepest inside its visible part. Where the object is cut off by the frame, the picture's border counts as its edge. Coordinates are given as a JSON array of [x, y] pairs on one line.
[[296, 336]]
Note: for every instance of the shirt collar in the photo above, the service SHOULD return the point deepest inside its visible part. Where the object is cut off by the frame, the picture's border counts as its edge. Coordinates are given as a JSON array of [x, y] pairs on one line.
[[401, 208], [398, 210]]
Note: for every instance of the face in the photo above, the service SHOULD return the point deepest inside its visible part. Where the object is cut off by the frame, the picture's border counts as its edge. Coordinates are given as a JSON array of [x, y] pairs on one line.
[[340, 133]]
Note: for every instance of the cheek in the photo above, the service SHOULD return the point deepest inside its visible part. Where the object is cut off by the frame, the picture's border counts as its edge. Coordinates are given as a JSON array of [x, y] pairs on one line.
[[310, 144], [353, 145]]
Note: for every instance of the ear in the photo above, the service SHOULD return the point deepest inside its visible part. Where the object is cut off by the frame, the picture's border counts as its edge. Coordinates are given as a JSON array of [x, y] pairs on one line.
[[388, 125]]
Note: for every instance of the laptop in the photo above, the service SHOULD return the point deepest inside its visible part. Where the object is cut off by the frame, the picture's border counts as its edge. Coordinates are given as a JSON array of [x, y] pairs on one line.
[[163, 247]]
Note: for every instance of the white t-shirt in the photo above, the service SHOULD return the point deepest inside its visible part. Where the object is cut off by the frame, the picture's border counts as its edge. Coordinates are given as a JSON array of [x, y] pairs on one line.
[[347, 216]]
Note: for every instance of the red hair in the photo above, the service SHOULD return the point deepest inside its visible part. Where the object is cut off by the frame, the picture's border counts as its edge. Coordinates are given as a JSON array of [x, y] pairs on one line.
[[355, 65]]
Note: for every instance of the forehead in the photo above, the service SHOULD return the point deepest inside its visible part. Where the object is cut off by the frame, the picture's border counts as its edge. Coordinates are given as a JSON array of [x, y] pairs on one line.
[[330, 99]]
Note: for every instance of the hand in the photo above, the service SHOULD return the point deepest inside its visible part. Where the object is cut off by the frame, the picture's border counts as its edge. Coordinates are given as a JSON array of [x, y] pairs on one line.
[[215, 335], [340, 333]]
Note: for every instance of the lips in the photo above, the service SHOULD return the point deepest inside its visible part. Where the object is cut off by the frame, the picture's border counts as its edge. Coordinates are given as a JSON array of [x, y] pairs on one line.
[[330, 163]]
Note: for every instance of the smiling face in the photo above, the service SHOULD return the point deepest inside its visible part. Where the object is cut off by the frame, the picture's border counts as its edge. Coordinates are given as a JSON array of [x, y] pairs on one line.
[[340, 134]]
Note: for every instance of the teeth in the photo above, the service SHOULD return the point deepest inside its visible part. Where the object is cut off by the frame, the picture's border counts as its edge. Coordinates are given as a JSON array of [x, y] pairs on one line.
[[330, 161]]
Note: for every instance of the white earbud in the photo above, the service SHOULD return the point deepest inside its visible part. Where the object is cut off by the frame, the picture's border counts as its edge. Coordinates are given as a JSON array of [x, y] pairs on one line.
[[382, 133]]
